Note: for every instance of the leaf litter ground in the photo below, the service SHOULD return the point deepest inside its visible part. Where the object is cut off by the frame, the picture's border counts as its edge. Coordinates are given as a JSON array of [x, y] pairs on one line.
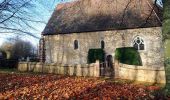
[[58, 87]]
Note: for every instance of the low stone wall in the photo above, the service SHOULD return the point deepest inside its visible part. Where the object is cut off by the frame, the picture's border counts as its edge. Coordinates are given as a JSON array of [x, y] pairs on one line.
[[75, 70], [122, 71], [142, 73]]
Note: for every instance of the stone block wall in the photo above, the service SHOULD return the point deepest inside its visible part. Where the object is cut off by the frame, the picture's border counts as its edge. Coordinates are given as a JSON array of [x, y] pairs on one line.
[[72, 70], [122, 71], [62, 58], [141, 73], [60, 48]]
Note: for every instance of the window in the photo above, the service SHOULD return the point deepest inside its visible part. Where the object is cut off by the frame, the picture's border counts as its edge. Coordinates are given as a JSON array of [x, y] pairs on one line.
[[102, 44], [75, 44], [138, 43]]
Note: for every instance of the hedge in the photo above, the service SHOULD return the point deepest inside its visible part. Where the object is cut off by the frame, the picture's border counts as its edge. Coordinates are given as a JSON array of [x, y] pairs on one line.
[[128, 55], [95, 54]]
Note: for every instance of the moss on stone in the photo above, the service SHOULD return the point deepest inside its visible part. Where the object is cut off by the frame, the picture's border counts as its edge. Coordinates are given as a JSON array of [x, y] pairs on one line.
[[166, 19]]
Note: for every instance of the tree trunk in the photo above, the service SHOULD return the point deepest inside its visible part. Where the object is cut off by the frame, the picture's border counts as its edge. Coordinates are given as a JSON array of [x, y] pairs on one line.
[[166, 40]]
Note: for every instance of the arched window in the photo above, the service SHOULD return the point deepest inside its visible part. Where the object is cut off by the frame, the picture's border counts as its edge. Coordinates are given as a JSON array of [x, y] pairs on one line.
[[75, 44], [102, 44], [138, 43]]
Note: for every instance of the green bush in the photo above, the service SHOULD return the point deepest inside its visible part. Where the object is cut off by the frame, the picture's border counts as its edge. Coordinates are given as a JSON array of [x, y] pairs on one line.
[[95, 54], [128, 55]]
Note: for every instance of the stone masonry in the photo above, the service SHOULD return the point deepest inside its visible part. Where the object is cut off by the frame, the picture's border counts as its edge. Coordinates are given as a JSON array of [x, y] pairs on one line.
[[60, 48]]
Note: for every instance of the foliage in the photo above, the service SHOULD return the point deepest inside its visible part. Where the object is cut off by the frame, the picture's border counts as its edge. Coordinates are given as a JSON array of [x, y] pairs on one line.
[[2, 55], [56, 87], [18, 49], [22, 49], [166, 35], [166, 19], [96, 54], [167, 48], [167, 61], [8, 63], [128, 55]]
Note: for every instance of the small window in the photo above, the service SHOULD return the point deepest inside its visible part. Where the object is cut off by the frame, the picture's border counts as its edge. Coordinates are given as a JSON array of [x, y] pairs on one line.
[[102, 44], [138, 43], [75, 44]]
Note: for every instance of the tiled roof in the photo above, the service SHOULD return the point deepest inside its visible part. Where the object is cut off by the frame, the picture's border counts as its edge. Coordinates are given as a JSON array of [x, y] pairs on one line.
[[100, 15]]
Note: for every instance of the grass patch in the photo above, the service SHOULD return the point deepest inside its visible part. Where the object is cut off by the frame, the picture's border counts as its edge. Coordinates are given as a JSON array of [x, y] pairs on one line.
[[15, 71], [8, 70]]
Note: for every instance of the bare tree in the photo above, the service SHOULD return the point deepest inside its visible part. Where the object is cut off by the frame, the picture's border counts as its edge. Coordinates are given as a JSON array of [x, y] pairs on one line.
[[18, 49], [16, 16], [22, 49]]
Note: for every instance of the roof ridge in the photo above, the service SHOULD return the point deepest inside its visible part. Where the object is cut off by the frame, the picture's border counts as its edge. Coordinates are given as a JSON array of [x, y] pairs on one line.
[[61, 5]]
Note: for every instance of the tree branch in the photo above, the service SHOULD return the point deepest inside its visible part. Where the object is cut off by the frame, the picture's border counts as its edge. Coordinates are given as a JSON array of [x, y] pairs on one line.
[[15, 12], [124, 12], [18, 30]]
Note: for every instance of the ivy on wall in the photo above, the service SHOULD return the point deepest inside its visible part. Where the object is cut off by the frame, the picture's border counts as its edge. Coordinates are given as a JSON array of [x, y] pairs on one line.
[[166, 28], [166, 41], [166, 19]]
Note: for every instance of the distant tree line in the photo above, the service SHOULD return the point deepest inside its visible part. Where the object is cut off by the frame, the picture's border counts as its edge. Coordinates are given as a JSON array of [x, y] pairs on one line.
[[19, 50]]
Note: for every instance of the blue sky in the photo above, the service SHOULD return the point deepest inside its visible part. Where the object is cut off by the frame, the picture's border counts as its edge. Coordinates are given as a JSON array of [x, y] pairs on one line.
[[42, 11]]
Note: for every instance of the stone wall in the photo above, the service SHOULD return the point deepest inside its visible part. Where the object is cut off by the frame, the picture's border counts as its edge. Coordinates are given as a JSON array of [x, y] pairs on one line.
[[72, 70], [121, 71], [142, 73], [60, 48]]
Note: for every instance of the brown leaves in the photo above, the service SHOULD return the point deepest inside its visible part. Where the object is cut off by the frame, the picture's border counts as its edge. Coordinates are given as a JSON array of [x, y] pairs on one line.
[[30, 86]]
